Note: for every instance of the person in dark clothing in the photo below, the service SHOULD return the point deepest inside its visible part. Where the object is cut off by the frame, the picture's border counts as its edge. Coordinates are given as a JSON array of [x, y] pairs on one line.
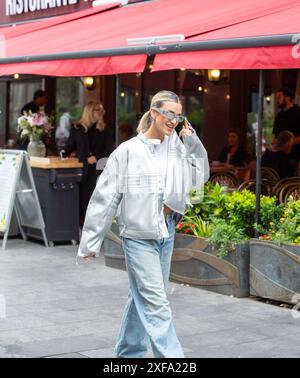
[[288, 119], [39, 100], [234, 154], [278, 158], [90, 140]]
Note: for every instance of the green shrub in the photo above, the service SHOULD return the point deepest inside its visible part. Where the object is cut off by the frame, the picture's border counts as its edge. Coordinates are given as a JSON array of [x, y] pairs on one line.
[[229, 218]]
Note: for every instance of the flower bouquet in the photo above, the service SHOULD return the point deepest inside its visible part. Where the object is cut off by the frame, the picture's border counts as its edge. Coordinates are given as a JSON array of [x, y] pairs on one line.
[[34, 127]]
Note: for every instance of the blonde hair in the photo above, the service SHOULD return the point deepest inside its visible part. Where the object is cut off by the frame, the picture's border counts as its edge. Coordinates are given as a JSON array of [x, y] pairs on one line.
[[156, 102], [88, 118]]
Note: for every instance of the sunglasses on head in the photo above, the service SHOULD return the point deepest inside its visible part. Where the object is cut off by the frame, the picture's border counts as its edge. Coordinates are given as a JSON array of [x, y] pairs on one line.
[[170, 115]]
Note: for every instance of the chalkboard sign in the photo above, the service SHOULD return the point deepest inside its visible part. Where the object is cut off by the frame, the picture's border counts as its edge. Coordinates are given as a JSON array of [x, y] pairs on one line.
[[18, 194]]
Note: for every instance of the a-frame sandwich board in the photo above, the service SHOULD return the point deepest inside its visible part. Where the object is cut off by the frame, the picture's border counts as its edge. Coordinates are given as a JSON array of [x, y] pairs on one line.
[[18, 194]]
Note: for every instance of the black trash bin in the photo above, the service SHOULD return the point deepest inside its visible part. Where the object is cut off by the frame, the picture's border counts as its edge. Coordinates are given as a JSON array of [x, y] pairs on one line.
[[58, 192]]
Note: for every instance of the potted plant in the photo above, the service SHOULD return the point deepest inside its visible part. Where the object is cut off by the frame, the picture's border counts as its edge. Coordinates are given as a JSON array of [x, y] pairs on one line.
[[212, 242], [275, 257], [202, 243]]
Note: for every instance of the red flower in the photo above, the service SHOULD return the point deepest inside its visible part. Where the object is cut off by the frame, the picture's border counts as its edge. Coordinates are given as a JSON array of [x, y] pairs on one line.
[[265, 237], [187, 231], [179, 226]]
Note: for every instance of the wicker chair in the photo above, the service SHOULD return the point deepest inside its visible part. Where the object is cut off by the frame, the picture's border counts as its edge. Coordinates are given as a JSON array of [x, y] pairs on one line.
[[251, 186], [278, 187], [290, 188], [293, 193], [224, 179], [270, 175]]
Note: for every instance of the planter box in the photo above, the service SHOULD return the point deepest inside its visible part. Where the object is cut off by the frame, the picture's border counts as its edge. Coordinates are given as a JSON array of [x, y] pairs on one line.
[[113, 252], [195, 262], [274, 271]]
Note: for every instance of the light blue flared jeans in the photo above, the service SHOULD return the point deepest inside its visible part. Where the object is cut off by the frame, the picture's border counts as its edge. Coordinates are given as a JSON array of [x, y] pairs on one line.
[[147, 317]]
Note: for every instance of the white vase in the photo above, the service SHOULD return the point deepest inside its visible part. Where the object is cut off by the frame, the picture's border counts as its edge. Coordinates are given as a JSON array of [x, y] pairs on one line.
[[36, 147]]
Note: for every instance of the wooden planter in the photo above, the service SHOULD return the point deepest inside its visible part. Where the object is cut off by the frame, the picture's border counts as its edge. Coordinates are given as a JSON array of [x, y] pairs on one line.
[[113, 252], [274, 271], [196, 263]]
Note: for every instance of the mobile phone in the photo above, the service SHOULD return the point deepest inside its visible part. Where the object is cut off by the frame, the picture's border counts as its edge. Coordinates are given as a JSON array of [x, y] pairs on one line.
[[180, 126]]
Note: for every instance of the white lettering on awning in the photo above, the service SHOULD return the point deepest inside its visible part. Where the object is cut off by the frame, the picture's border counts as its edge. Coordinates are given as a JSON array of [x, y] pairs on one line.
[[14, 7]]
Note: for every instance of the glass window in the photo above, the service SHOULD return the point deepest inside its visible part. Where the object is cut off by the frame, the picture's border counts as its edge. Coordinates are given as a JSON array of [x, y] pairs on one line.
[[21, 92], [69, 97], [130, 101], [268, 121], [190, 84]]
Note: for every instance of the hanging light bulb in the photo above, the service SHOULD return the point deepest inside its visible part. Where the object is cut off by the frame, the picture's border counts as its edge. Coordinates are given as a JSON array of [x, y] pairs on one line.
[[214, 75], [88, 82]]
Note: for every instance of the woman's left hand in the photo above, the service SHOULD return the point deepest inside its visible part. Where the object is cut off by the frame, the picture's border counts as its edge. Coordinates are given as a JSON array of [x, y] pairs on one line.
[[186, 130]]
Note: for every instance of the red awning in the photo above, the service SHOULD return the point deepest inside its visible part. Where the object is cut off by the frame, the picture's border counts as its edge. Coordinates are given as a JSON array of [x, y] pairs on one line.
[[196, 19], [15, 31], [281, 22]]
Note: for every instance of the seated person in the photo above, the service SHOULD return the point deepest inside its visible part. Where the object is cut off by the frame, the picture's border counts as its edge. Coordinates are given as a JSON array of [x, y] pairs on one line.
[[277, 157], [234, 154]]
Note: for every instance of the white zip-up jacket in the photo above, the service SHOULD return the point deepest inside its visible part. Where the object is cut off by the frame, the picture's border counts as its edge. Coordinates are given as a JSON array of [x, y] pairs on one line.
[[131, 185]]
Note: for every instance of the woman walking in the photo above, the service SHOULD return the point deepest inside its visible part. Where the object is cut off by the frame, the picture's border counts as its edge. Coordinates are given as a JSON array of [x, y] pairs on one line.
[[148, 177]]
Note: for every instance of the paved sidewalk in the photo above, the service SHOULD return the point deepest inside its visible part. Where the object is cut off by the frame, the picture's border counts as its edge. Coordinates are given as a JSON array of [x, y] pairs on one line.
[[55, 308]]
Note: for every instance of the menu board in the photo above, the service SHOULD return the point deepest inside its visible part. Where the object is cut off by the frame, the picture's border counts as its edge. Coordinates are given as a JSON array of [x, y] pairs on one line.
[[18, 194], [9, 171]]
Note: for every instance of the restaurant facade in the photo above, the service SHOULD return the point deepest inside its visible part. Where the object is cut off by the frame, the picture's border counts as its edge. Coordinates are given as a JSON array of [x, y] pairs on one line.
[[214, 100]]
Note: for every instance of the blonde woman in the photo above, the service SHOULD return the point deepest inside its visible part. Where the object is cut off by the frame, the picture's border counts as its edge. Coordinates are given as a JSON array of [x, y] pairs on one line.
[[150, 177], [90, 139]]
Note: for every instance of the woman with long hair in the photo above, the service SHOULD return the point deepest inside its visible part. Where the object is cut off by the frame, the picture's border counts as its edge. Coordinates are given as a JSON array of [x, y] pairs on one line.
[[90, 140], [149, 178]]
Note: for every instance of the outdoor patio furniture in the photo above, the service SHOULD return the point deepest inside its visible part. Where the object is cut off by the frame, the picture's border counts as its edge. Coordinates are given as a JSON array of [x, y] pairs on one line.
[[227, 179], [278, 187], [251, 186], [271, 175], [289, 189]]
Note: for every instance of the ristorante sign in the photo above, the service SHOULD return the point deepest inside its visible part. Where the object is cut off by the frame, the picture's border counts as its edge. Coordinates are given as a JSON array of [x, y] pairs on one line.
[[14, 11]]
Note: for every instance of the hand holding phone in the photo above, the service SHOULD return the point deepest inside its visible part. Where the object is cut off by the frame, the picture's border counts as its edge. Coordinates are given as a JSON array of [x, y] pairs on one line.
[[186, 129]]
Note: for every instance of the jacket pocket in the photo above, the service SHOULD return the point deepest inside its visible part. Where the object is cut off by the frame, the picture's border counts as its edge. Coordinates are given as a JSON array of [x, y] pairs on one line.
[[140, 211]]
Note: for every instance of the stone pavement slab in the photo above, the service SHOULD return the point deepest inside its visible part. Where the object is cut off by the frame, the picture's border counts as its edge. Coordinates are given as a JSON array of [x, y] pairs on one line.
[[55, 308]]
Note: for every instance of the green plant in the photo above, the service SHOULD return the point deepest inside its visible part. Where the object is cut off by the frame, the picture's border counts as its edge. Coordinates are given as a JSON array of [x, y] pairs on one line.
[[240, 211], [195, 225], [229, 218], [225, 236], [287, 229], [212, 204]]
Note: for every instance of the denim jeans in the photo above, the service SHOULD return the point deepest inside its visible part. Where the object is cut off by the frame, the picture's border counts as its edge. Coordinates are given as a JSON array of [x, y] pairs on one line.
[[147, 317]]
